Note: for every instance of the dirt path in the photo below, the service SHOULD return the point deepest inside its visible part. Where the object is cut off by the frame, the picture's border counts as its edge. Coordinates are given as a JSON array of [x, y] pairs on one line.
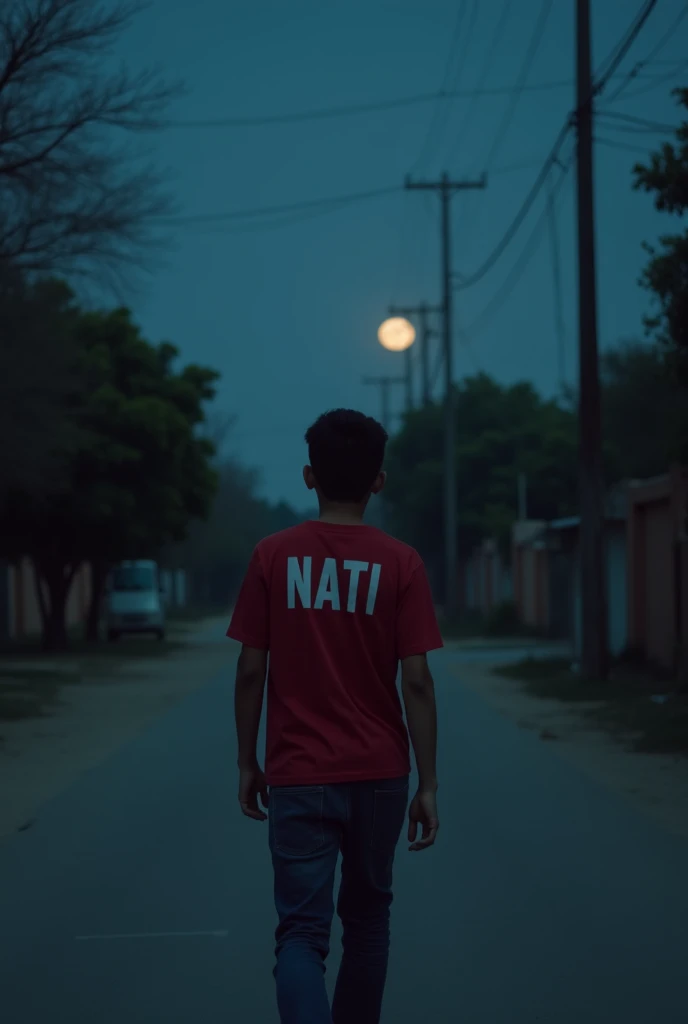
[[658, 784], [89, 719]]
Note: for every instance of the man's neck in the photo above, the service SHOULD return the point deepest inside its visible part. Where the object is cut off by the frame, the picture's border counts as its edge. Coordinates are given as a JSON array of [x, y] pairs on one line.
[[342, 515]]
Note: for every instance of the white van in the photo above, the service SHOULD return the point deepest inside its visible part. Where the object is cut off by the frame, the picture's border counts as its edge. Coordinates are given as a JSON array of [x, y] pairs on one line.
[[134, 600]]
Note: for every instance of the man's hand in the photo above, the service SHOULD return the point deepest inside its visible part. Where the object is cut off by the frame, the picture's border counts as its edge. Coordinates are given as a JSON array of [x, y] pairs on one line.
[[423, 812], [251, 784]]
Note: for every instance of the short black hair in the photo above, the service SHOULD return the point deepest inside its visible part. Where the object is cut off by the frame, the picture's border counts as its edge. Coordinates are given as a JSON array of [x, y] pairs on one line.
[[346, 450]]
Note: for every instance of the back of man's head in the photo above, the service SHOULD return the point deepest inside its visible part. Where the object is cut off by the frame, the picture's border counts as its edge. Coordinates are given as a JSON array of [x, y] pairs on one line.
[[346, 450]]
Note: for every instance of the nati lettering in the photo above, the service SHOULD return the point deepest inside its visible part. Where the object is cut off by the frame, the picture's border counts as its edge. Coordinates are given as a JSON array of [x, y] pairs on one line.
[[299, 583]]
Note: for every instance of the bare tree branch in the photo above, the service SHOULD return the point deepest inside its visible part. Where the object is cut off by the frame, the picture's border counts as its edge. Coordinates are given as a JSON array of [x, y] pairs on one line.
[[71, 198]]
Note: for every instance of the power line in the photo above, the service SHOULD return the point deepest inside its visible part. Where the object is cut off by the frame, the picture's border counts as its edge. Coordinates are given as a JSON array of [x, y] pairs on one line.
[[611, 64], [511, 231], [355, 109], [630, 123], [614, 60], [462, 60], [523, 165], [529, 249], [614, 144], [435, 122], [524, 71], [468, 36], [244, 227], [667, 36], [438, 121], [533, 47], [456, 35], [486, 68], [306, 205], [653, 82]]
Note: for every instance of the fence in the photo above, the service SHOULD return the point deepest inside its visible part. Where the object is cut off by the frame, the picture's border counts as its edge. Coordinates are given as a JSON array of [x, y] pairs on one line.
[[486, 580], [658, 569]]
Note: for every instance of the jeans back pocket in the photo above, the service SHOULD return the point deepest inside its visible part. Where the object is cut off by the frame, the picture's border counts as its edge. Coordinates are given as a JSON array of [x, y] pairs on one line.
[[296, 819]]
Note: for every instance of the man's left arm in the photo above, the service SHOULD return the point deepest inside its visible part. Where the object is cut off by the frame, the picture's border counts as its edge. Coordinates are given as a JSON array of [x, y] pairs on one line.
[[248, 705]]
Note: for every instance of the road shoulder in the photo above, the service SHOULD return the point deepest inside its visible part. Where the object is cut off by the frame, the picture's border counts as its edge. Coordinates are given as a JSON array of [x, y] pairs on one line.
[[656, 783], [95, 712]]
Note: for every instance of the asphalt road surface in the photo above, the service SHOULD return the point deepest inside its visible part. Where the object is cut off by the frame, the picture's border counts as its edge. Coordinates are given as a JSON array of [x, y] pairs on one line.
[[142, 895]]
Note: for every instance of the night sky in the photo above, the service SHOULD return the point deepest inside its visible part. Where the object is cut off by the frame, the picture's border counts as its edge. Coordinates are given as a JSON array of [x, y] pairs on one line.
[[287, 308]]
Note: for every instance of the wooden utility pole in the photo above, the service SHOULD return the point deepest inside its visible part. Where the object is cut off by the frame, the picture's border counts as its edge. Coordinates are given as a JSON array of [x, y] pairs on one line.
[[559, 324], [446, 189], [384, 384], [408, 378], [425, 333], [594, 661]]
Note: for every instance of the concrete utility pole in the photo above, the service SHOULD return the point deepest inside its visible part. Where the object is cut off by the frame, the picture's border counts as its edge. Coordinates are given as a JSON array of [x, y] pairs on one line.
[[446, 189], [425, 333], [384, 384], [594, 660]]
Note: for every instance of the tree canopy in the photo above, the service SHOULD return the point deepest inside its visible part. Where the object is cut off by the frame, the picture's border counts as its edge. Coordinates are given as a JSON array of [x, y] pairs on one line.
[[218, 549], [665, 177], [37, 375], [503, 431], [134, 466], [643, 410], [75, 194]]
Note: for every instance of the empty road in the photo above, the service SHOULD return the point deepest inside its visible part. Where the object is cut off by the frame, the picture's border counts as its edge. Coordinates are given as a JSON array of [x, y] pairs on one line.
[[141, 894]]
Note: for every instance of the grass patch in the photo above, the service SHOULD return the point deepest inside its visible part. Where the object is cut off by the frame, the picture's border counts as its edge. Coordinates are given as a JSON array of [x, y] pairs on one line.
[[193, 614], [621, 705], [501, 624], [33, 696], [128, 646]]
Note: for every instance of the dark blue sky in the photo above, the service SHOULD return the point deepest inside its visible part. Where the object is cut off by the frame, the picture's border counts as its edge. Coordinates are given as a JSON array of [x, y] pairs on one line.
[[289, 314]]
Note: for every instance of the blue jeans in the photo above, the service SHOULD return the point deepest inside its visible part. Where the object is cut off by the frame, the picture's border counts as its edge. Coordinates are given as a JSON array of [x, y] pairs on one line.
[[309, 826]]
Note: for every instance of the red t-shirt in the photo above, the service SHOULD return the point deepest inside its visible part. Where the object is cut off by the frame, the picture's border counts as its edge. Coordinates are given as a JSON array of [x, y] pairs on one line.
[[337, 607]]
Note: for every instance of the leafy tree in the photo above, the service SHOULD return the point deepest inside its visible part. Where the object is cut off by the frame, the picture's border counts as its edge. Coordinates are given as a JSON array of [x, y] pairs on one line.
[[643, 409], [218, 549], [145, 494], [73, 194], [666, 274], [139, 472], [502, 432], [37, 375]]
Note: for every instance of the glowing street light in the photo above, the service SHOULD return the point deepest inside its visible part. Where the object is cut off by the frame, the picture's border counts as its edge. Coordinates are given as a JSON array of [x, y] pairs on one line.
[[396, 334]]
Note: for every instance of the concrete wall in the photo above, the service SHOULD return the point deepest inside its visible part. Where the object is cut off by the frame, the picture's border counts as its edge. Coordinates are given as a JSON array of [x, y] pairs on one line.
[[531, 588], [530, 576], [486, 580], [658, 577], [616, 557]]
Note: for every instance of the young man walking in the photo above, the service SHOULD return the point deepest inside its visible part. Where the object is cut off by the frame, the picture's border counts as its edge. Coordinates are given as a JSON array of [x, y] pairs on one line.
[[336, 605]]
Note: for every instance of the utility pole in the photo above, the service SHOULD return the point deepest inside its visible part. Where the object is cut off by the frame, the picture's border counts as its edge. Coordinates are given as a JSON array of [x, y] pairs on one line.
[[425, 333], [558, 299], [446, 189], [593, 589], [408, 377], [384, 384]]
